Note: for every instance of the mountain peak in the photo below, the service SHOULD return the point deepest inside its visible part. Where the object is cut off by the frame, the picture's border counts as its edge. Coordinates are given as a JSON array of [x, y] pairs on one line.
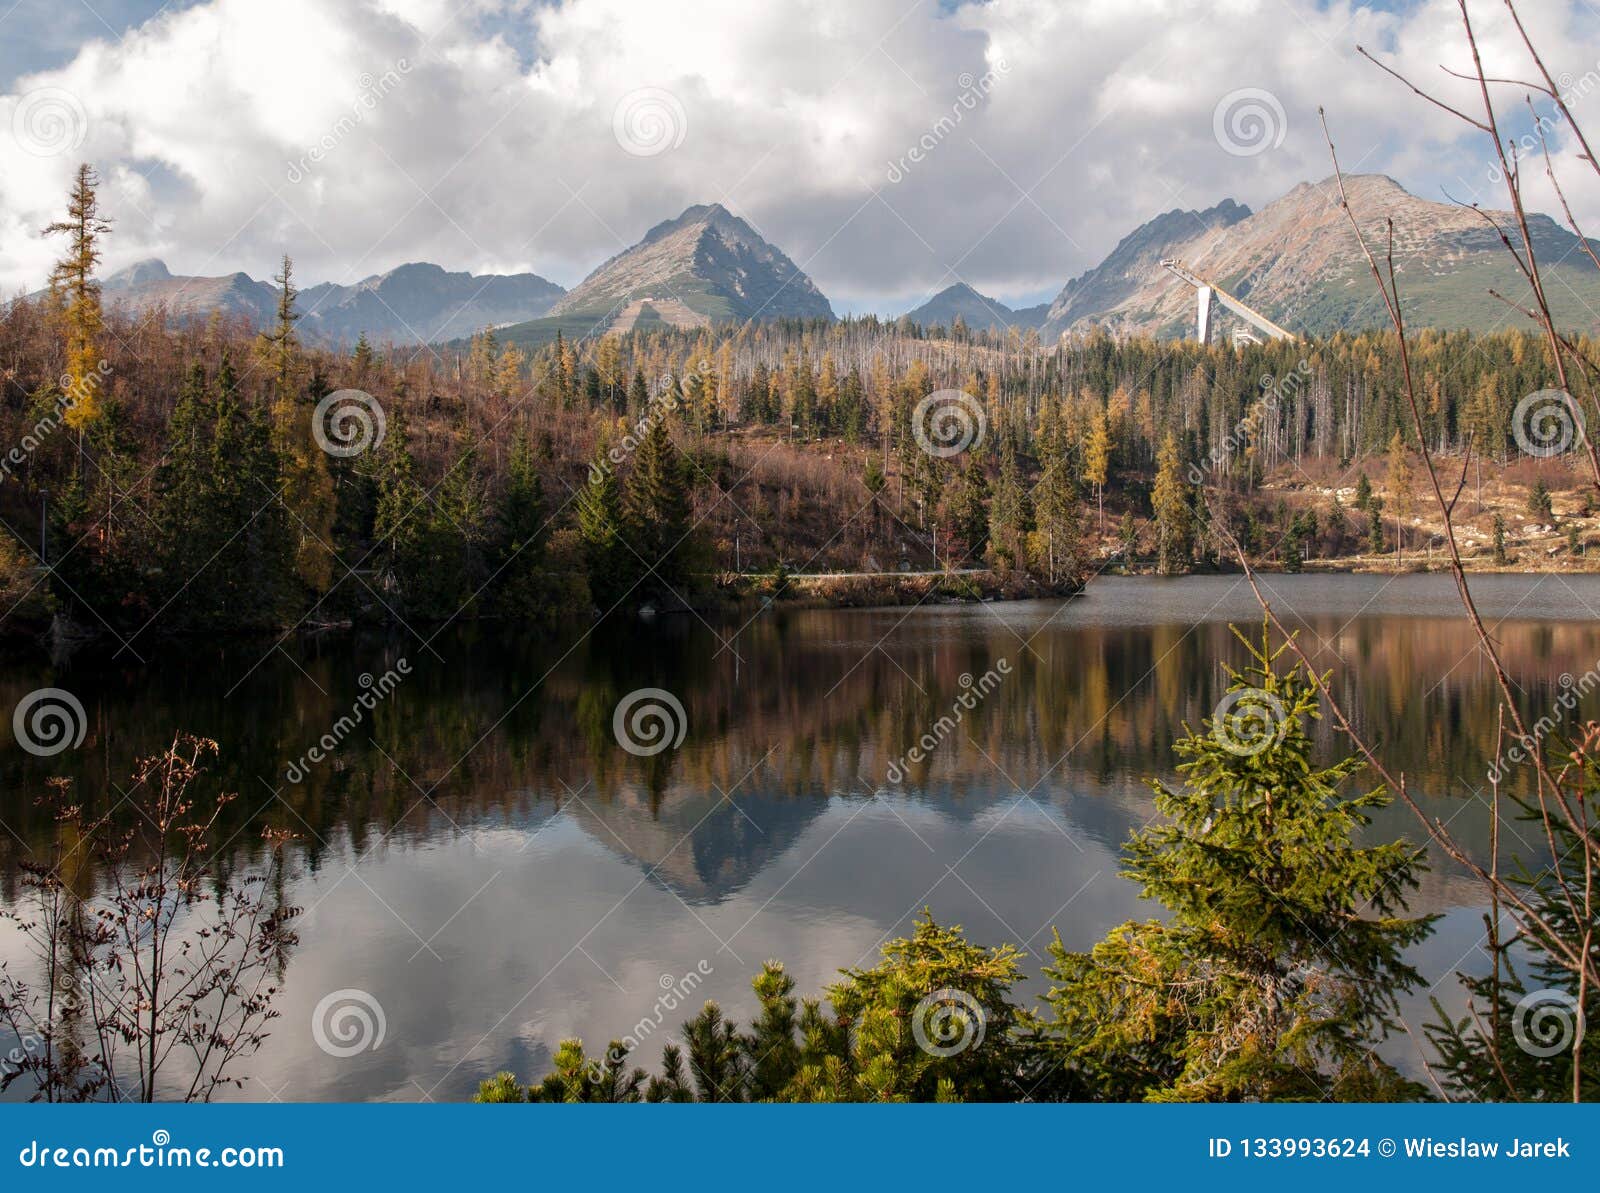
[[1298, 261], [705, 265], [151, 269], [976, 310]]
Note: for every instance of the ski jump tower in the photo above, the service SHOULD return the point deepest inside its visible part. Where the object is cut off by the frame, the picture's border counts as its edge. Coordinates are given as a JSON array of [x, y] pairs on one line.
[[1207, 291]]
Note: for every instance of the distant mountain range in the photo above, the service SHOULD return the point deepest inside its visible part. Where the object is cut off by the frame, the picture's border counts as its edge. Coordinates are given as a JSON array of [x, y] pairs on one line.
[[409, 304], [1296, 260]]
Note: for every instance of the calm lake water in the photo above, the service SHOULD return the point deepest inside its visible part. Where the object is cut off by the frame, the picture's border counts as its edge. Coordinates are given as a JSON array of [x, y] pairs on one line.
[[482, 857]]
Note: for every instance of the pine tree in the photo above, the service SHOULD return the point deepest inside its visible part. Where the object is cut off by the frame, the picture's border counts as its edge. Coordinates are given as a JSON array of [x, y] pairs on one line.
[[1363, 493], [967, 514], [1283, 952], [1539, 503], [600, 526], [522, 532], [1400, 489], [399, 506], [307, 483], [1174, 520], [74, 284], [1060, 523], [1097, 461], [656, 513], [1010, 512]]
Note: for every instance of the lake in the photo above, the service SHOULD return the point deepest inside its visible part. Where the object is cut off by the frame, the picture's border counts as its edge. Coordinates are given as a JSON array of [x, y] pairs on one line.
[[479, 855]]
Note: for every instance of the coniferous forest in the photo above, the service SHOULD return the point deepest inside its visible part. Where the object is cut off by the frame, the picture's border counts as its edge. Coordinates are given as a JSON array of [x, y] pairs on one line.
[[176, 475]]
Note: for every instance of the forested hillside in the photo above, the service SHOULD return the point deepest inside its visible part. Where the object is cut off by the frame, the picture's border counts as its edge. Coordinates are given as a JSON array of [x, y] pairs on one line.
[[182, 476]]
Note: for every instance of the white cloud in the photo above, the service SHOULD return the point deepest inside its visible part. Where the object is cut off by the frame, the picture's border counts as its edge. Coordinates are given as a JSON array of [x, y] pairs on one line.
[[493, 146]]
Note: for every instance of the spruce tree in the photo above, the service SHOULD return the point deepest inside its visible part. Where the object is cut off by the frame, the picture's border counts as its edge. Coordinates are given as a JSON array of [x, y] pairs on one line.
[[1281, 958], [609, 563], [1173, 517], [1060, 522], [656, 513]]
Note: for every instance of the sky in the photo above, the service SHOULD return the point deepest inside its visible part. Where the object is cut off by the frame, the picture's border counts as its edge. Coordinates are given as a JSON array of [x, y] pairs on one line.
[[890, 147]]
